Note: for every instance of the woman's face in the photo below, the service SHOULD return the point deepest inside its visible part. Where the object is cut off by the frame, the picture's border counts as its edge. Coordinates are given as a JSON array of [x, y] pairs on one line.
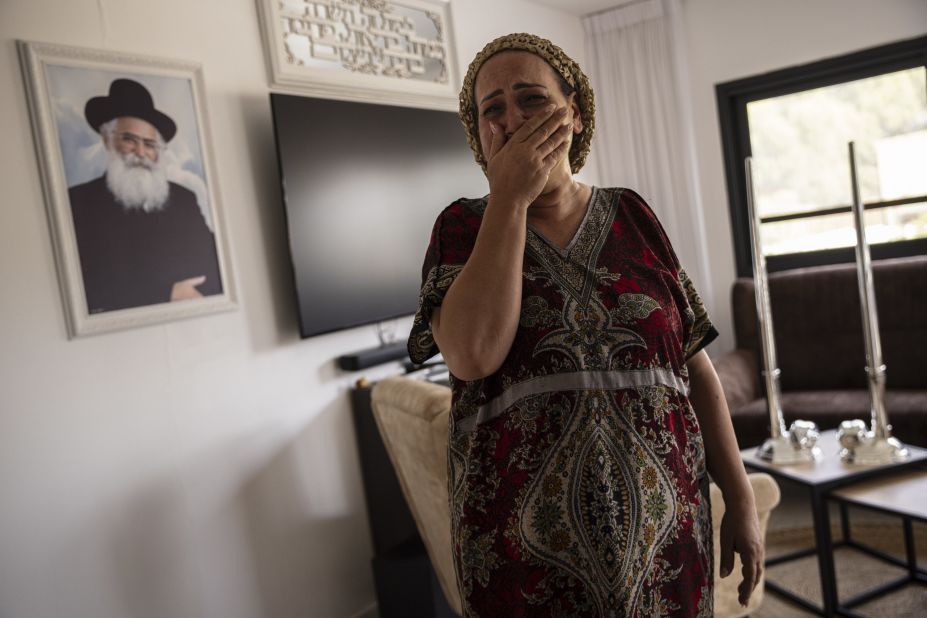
[[511, 87]]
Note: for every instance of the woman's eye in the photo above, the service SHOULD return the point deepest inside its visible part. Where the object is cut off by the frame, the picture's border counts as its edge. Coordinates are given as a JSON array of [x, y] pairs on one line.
[[535, 98], [489, 110]]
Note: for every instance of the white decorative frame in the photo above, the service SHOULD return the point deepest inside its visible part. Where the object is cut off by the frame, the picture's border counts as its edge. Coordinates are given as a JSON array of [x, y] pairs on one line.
[[35, 59], [385, 51]]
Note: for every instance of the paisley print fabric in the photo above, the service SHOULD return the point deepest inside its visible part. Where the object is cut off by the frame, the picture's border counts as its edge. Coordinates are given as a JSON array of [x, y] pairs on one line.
[[576, 472]]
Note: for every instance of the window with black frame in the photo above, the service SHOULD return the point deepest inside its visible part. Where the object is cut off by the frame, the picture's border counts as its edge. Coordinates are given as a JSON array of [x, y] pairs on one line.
[[796, 124]]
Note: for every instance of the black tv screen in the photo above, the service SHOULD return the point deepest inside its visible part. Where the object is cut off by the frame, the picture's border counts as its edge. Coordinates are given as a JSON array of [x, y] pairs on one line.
[[362, 185]]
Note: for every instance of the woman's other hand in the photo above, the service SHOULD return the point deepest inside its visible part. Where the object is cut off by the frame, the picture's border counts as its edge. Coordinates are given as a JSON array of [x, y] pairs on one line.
[[740, 532], [740, 526], [518, 168]]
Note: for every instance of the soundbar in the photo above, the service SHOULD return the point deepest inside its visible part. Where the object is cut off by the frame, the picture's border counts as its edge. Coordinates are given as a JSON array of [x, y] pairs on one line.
[[373, 356]]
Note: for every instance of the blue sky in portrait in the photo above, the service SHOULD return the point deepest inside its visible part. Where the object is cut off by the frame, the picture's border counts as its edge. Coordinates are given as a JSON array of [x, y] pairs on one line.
[[82, 152]]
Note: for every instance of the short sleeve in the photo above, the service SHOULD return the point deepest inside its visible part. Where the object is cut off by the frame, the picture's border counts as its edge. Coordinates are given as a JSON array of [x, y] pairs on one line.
[[445, 257], [698, 331]]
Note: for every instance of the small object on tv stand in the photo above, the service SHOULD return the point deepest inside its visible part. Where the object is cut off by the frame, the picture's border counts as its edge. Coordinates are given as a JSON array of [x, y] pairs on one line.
[[373, 356]]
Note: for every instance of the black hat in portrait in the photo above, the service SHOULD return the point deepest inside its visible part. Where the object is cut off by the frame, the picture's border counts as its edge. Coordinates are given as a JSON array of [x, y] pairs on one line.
[[128, 98]]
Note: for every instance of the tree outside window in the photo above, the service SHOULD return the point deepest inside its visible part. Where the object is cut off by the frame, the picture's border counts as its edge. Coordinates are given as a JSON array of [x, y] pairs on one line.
[[799, 143]]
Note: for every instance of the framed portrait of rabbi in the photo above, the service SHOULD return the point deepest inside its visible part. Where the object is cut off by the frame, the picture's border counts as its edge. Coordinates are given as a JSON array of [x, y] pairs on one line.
[[130, 187]]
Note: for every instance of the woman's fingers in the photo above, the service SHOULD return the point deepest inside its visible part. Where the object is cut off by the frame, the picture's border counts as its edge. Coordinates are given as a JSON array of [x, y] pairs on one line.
[[727, 550], [748, 570], [555, 155], [542, 132], [752, 570], [498, 139], [532, 124], [546, 129], [556, 139]]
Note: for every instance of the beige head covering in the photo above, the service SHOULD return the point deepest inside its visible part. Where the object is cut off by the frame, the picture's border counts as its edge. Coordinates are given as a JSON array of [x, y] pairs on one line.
[[561, 63]]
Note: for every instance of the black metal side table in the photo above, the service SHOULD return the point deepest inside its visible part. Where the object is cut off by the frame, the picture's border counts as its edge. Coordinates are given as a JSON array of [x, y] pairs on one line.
[[903, 495], [820, 479]]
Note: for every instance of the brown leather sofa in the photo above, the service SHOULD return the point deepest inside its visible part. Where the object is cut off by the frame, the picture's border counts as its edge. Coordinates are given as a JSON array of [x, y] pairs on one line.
[[821, 352]]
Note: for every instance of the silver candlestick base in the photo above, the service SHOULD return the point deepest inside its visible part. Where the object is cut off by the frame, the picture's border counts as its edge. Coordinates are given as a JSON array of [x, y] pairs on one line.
[[862, 446], [797, 445]]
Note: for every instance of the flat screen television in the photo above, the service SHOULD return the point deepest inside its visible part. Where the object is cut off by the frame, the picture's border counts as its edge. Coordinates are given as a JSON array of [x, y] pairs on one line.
[[362, 185]]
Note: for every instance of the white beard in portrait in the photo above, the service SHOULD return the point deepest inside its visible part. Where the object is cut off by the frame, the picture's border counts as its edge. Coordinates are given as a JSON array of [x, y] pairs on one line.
[[136, 182]]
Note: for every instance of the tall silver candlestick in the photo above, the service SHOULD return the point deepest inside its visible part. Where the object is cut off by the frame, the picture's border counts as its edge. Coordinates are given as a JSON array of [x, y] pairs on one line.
[[876, 446], [798, 443]]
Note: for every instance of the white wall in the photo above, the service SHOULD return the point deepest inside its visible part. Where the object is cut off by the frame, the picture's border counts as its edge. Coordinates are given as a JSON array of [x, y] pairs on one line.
[[201, 468], [730, 39]]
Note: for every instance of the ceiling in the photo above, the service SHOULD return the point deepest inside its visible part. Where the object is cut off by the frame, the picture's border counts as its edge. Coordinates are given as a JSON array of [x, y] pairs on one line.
[[580, 7]]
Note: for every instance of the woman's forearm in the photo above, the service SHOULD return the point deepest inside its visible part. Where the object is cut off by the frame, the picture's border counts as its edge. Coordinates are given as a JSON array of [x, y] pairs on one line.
[[476, 323], [721, 451]]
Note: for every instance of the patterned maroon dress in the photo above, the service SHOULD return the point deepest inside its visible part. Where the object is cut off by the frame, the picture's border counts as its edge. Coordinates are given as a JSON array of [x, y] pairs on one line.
[[576, 472]]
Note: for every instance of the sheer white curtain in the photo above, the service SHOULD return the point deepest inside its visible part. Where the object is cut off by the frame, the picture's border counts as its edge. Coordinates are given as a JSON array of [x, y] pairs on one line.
[[644, 134]]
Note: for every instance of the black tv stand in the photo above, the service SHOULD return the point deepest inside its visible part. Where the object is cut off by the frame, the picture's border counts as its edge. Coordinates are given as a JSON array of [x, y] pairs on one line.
[[406, 583]]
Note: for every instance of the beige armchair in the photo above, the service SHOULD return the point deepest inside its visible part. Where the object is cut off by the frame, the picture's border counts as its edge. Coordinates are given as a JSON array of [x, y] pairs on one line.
[[412, 418]]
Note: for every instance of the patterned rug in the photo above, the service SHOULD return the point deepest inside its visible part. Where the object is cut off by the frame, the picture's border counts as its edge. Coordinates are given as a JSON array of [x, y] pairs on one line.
[[790, 530]]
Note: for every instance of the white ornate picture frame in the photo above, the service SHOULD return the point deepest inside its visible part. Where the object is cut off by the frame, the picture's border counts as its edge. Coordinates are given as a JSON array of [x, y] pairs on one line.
[[384, 51], [60, 83]]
